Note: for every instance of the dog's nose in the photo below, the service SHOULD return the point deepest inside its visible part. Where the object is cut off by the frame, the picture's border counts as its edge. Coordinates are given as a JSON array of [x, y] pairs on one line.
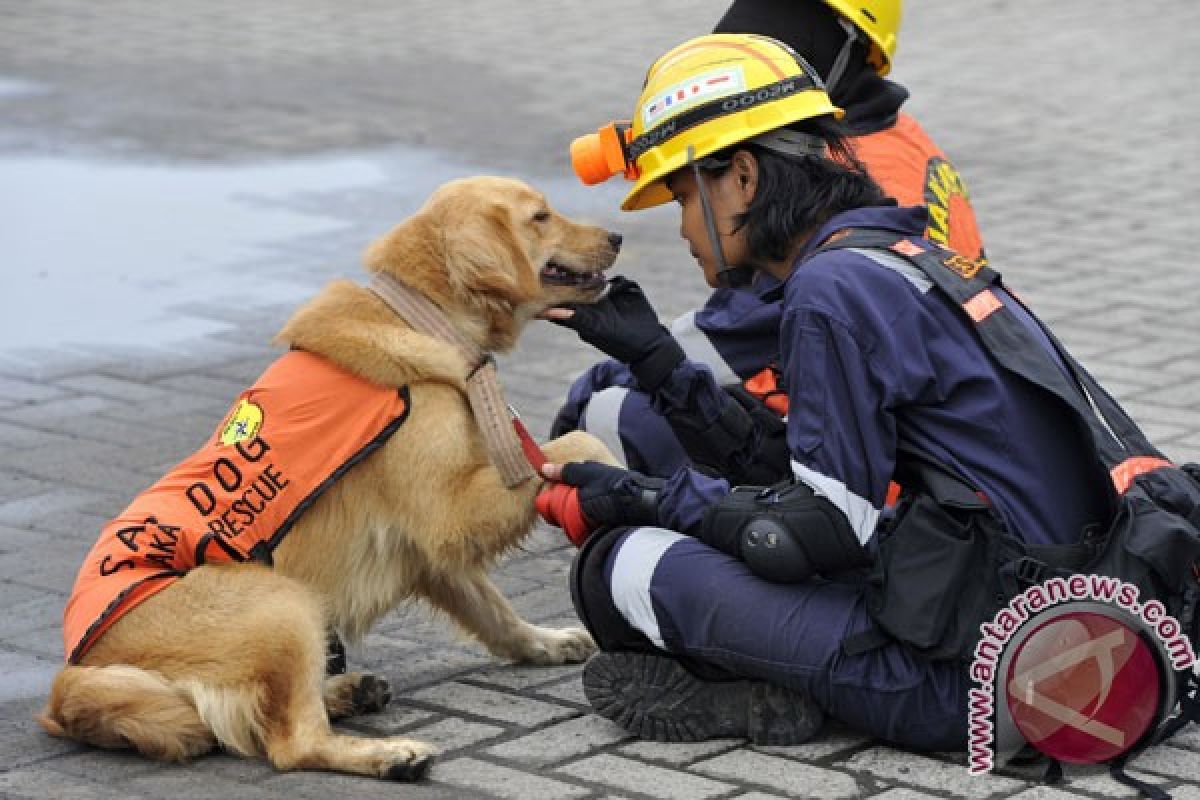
[[614, 239]]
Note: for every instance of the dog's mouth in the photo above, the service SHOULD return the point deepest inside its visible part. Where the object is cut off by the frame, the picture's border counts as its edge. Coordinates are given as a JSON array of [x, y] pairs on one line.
[[555, 274]]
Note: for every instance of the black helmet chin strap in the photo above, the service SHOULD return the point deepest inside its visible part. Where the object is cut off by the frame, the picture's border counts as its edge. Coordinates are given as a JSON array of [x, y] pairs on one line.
[[781, 140], [727, 277]]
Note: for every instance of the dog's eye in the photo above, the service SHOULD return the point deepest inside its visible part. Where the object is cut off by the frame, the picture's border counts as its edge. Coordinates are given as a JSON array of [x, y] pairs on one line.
[[541, 216]]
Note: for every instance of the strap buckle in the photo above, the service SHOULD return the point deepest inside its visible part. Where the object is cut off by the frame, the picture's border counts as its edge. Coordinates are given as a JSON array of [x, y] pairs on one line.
[[484, 360], [1029, 571]]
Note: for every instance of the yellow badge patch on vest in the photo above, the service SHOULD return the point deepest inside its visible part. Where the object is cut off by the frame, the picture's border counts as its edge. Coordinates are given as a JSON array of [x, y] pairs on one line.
[[242, 423]]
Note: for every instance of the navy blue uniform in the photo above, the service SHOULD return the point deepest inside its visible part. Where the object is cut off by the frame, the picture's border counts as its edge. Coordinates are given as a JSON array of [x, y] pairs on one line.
[[874, 360]]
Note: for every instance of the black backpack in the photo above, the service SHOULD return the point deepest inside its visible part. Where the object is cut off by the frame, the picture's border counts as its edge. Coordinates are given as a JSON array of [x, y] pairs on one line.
[[945, 564]]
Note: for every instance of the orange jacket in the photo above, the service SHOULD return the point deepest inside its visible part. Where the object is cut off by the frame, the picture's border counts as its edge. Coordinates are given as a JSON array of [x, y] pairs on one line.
[[285, 440], [906, 163]]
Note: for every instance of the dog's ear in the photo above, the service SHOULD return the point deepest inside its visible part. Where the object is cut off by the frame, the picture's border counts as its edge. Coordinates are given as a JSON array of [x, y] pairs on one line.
[[486, 256], [410, 251], [414, 252]]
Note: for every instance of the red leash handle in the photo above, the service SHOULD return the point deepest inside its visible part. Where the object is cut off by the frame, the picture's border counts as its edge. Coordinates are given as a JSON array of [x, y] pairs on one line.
[[558, 504], [533, 453]]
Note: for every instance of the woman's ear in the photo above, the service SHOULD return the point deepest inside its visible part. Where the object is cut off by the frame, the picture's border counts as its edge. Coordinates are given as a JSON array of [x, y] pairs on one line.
[[745, 172]]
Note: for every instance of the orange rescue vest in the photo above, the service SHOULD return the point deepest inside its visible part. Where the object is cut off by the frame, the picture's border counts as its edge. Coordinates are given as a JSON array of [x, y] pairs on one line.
[[907, 165], [285, 440]]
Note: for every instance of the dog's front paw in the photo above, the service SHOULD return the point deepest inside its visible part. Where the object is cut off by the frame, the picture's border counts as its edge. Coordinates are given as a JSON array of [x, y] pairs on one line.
[[578, 446], [406, 760], [549, 646]]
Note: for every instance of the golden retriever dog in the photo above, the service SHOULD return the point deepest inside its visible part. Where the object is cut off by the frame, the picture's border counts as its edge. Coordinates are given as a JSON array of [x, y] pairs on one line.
[[233, 654]]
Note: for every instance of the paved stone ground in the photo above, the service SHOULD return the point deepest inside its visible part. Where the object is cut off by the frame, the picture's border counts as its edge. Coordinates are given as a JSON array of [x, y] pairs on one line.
[[1075, 126]]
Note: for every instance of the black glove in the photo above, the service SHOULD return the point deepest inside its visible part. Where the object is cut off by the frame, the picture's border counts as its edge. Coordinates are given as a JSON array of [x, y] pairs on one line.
[[614, 496], [624, 325]]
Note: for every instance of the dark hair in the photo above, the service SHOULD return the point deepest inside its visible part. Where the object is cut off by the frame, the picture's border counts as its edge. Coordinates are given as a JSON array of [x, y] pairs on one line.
[[797, 194]]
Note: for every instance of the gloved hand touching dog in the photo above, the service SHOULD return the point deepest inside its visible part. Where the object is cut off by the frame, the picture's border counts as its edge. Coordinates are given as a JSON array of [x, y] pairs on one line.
[[584, 496], [624, 326]]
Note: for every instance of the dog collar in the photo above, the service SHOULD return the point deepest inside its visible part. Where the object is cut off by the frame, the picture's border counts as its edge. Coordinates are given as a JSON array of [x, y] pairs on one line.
[[509, 444]]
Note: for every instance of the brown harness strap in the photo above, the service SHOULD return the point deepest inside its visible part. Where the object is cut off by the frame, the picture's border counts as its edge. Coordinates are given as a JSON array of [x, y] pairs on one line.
[[484, 393]]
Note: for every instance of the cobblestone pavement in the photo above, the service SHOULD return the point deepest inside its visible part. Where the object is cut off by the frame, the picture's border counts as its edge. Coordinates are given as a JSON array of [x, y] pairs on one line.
[[1075, 123]]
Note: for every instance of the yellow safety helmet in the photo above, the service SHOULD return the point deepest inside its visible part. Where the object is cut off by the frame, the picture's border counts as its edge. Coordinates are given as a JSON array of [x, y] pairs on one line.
[[707, 94], [879, 20]]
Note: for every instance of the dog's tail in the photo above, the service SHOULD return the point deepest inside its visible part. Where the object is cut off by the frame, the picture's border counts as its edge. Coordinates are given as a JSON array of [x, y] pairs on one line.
[[122, 706]]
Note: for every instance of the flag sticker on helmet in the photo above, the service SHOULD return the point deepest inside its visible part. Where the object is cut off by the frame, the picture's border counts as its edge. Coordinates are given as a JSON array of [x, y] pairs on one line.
[[687, 93]]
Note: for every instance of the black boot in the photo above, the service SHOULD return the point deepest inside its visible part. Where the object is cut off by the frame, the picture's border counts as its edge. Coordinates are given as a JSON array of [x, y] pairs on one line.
[[656, 697]]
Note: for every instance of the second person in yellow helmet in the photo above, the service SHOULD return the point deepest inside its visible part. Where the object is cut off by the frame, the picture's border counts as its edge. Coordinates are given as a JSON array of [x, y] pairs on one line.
[[851, 44], [724, 611]]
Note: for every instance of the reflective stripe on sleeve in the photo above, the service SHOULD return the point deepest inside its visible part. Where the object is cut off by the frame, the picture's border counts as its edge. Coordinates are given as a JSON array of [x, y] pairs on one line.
[[897, 264], [863, 516], [699, 348], [602, 418]]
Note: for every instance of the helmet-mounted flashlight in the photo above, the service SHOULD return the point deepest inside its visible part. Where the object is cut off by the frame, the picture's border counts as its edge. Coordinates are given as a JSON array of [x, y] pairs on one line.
[[598, 156]]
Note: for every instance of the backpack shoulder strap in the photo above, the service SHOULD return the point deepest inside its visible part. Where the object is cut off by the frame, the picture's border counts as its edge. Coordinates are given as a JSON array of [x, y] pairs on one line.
[[973, 287]]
